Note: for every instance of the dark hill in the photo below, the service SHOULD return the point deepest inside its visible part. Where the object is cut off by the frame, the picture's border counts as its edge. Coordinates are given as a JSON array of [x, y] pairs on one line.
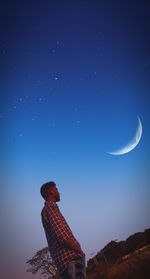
[[129, 259]]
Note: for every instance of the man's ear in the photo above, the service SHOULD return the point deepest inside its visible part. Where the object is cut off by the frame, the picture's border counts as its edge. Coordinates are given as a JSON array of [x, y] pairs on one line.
[[50, 192]]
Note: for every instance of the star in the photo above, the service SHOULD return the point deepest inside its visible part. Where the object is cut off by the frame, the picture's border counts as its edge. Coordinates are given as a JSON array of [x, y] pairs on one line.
[[81, 78], [50, 88], [16, 107], [146, 65], [52, 125], [3, 51]]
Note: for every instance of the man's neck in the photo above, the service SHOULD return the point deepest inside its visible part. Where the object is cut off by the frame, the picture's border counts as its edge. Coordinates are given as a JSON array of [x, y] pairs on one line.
[[51, 199]]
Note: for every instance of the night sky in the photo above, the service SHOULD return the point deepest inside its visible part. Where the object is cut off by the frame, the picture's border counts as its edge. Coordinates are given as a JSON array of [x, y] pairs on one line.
[[75, 75]]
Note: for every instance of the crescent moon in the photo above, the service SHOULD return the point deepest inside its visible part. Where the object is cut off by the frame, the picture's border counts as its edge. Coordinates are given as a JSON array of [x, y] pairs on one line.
[[132, 144]]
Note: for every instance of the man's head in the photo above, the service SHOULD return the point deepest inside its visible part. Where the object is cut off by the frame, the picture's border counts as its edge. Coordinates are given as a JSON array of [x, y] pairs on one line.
[[49, 192]]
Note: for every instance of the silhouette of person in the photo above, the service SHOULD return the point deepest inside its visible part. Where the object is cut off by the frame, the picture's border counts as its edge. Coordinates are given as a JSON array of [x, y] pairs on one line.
[[65, 250]]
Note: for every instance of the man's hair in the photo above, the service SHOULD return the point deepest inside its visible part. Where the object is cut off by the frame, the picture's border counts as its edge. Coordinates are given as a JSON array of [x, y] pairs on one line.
[[45, 187]]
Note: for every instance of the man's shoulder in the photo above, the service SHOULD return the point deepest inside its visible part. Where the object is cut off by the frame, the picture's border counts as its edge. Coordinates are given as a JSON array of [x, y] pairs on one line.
[[48, 206]]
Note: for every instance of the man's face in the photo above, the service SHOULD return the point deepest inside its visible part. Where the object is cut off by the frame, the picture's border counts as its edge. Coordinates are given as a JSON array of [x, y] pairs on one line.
[[55, 193]]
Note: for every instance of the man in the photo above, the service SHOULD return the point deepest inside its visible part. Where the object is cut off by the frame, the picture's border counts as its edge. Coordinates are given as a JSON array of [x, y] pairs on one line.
[[64, 248]]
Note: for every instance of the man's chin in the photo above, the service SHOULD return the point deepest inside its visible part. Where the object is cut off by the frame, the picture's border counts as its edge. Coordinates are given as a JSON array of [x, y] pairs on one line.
[[58, 199]]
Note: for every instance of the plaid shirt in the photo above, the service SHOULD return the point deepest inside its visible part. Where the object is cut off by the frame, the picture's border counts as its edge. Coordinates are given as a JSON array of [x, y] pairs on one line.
[[57, 231]]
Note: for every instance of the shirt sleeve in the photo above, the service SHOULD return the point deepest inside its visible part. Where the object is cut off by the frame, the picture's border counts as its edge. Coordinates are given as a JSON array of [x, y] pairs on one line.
[[57, 225]]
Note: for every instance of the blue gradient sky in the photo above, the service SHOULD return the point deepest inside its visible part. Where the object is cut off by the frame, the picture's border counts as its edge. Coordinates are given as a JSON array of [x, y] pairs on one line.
[[74, 76]]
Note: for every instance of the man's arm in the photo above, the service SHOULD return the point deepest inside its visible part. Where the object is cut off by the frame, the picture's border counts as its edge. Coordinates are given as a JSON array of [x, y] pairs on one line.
[[70, 244]]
